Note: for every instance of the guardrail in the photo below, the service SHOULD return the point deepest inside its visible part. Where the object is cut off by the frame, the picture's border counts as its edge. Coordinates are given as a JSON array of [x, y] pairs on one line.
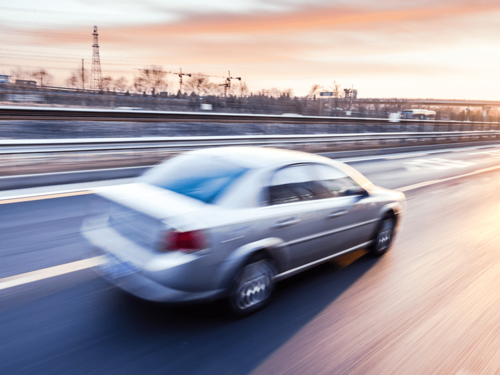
[[72, 114], [68, 114], [184, 143], [28, 157]]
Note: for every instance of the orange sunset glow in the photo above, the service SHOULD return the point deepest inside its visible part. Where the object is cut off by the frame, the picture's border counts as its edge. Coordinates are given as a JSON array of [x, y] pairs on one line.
[[417, 48]]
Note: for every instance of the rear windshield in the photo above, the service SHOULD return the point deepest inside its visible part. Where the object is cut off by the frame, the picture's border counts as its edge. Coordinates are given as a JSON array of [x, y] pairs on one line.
[[200, 178]]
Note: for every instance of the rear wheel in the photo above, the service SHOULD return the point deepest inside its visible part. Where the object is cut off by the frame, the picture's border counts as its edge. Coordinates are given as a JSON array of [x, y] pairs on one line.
[[252, 287], [384, 236]]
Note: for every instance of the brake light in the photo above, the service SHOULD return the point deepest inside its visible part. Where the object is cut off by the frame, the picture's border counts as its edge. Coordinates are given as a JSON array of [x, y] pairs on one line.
[[185, 241]]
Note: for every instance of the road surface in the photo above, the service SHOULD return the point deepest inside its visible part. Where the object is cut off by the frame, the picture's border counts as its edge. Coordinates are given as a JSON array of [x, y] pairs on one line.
[[428, 306]]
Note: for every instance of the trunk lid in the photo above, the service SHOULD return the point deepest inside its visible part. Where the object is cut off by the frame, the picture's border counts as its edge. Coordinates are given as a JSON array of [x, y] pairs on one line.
[[141, 212]]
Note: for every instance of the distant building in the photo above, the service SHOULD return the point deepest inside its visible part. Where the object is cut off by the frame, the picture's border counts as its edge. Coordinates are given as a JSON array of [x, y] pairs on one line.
[[25, 82], [418, 114], [350, 93], [4, 78]]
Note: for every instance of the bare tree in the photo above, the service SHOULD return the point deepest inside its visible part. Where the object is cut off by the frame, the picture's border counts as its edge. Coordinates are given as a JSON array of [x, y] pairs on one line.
[[315, 89], [241, 89], [20, 73], [120, 84], [216, 89], [199, 84], [75, 79], [272, 93], [45, 78], [152, 78], [287, 93], [336, 89], [107, 83]]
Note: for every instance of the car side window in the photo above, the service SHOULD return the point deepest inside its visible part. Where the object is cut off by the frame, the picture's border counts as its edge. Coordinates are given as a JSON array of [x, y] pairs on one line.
[[336, 182], [294, 183]]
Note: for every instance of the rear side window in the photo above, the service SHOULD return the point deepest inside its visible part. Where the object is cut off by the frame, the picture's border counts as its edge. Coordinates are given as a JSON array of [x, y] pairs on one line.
[[293, 184], [336, 182], [204, 179]]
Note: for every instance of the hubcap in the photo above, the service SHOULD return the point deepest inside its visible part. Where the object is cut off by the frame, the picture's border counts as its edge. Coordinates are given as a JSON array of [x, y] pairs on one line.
[[385, 235], [255, 285]]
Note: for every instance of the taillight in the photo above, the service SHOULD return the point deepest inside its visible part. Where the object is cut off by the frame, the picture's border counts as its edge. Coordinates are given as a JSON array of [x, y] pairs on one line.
[[185, 241]]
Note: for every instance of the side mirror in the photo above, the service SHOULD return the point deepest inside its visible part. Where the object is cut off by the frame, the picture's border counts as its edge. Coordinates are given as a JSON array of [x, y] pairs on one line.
[[358, 191]]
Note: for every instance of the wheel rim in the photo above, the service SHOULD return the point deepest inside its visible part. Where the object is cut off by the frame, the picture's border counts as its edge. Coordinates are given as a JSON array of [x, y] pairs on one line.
[[255, 285], [385, 235]]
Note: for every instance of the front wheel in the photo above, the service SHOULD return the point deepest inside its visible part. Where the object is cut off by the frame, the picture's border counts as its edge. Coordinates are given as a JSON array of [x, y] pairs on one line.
[[384, 236], [252, 287]]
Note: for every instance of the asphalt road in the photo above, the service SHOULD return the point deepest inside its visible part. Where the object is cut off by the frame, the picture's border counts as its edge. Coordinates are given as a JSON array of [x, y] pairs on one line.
[[428, 306]]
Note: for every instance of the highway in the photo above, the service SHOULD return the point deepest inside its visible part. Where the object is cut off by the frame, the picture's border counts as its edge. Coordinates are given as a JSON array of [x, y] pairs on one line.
[[428, 306]]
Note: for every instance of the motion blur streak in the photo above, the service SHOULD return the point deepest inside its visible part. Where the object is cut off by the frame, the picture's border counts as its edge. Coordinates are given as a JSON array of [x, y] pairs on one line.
[[88, 263], [43, 197], [430, 306], [428, 183], [9, 282]]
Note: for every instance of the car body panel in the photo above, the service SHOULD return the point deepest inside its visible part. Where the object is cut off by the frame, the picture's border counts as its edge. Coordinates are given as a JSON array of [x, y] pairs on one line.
[[129, 223]]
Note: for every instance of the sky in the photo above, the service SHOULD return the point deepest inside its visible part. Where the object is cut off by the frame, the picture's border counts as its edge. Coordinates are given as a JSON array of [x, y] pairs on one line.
[[382, 48]]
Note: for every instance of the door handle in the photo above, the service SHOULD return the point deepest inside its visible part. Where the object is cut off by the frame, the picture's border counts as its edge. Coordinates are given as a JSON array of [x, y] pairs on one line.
[[285, 223], [336, 214]]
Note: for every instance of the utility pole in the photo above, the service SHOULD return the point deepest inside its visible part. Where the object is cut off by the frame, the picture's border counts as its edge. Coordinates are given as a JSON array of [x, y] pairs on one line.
[[83, 77], [227, 85], [180, 78], [96, 76]]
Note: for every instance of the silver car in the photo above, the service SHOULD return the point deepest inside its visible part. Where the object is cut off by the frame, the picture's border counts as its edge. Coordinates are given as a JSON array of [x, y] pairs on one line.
[[231, 222]]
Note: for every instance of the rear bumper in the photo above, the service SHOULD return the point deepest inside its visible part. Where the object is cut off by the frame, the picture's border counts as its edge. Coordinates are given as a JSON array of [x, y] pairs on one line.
[[147, 289], [122, 267]]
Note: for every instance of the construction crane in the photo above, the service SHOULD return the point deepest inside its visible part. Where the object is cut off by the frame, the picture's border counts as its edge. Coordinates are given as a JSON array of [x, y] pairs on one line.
[[180, 78], [227, 85]]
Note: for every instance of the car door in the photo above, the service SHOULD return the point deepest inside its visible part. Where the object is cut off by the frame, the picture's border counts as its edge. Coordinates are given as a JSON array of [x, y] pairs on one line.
[[291, 211], [347, 214]]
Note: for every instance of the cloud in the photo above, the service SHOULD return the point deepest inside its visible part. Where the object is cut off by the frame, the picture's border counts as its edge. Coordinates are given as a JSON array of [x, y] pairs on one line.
[[297, 40], [314, 18], [363, 28]]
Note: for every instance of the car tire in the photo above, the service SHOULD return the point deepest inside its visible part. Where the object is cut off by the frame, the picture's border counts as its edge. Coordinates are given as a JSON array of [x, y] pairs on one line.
[[252, 287], [382, 240]]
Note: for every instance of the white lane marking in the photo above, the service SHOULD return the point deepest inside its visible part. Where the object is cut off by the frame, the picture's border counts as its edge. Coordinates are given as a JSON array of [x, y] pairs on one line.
[[419, 185], [44, 192], [418, 164], [62, 269], [436, 164], [405, 156], [454, 163], [491, 153], [29, 277], [433, 182], [42, 196]]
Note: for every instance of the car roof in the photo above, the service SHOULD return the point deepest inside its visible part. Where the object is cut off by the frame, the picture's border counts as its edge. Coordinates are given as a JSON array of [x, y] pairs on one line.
[[259, 157]]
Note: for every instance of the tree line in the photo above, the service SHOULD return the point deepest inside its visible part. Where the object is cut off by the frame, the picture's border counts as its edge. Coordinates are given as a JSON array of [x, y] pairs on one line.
[[153, 80]]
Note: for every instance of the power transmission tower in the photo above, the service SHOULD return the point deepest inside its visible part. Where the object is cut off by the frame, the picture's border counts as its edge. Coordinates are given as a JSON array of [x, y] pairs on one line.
[[96, 76], [227, 85]]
